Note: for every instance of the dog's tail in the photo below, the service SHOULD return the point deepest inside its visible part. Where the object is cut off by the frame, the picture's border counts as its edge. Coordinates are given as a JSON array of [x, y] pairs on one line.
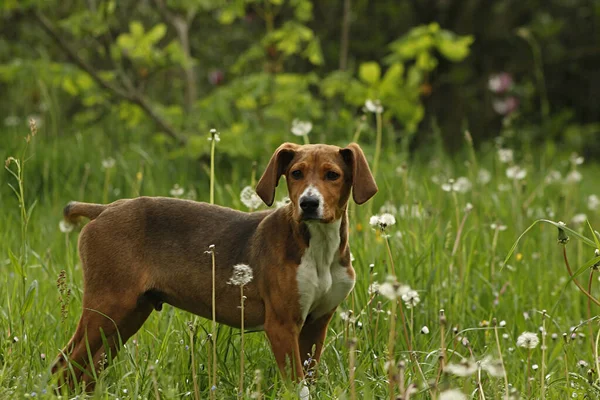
[[74, 210]]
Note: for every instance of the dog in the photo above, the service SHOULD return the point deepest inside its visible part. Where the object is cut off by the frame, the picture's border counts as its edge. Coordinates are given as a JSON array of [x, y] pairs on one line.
[[137, 254]]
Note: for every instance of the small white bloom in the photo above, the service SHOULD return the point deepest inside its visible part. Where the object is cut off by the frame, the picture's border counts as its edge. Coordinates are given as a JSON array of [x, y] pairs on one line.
[[301, 128], [214, 134], [374, 106], [528, 340], [283, 202], [553, 176], [392, 289], [374, 288], [463, 369], [425, 330], [242, 275], [469, 207], [534, 367], [108, 163], [579, 219], [176, 191], [576, 159], [452, 394], [498, 227], [515, 172], [505, 155], [582, 364], [382, 221], [65, 227], [593, 202], [250, 199], [388, 208], [492, 367], [12, 120], [484, 176], [574, 177], [411, 299], [502, 323], [462, 185]]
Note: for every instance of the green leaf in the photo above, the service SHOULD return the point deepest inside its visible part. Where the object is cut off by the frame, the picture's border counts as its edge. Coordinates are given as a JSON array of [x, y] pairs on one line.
[[313, 52], [454, 48], [369, 72], [29, 298], [137, 29], [156, 33]]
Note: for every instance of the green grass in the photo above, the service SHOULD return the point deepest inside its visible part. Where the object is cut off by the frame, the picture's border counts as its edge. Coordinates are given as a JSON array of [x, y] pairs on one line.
[[463, 274]]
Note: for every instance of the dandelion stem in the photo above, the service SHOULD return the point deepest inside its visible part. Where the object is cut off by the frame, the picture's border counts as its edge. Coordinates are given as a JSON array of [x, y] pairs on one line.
[[589, 309], [590, 297], [214, 326], [352, 367], [241, 389], [194, 374], [213, 145], [391, 342], [543, 371], [501, 362], [527, 372], [378, 138]]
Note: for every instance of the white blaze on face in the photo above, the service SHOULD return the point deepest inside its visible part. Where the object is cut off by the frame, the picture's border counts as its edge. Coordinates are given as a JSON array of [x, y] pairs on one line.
[[312, 191]]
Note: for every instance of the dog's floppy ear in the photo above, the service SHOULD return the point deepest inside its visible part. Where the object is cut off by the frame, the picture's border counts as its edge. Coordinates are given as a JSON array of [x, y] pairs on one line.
[[277, 167], [363, 183]]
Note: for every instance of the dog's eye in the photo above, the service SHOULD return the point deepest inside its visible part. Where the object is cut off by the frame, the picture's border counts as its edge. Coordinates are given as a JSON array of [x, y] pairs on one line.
[[331, 175], [296, 174]]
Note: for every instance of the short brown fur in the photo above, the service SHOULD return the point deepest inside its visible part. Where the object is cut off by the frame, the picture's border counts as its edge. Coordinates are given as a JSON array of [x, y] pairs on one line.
[[139, 253]]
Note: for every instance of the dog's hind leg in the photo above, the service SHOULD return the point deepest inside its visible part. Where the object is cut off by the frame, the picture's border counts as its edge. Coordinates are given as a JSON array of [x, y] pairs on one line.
[[111, 315]]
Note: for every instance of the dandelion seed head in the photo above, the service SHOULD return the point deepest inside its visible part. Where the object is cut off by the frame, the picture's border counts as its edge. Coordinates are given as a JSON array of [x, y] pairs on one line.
[[242, 275], [373, 106], [250, 198], [463, 369], [505, 155], [176, 191], [452, 394], [65, 227], [108, 163], [301, 128], [528, 340]]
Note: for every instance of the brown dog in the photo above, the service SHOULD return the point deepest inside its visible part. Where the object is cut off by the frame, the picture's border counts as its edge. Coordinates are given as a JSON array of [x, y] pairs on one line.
[[139, 253]]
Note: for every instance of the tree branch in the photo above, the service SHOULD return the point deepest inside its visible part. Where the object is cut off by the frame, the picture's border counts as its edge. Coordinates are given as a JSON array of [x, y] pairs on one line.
[[130, 95]]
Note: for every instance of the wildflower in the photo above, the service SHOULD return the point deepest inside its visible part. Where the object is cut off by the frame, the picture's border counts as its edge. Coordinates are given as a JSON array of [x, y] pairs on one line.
[[528, 340], [505, 336], [498, 227], [388, 208], [582, 364], [506, 156], [15, 339], [214, 135], [452, 394], [374, 288], [282, 203], [463, 369], [35, 121], [65, 227], [425, 330], [563, 238], [502, 323], [484, 176], [506, 105], [43, 356], [515, 172], [573, 177], [411, 298], [301, 128], [492, 367], [176, 191], [12, 120], [108, 163], [576, 159], [374, 106], [468, 207], [579, 219], [553, 176], [534, 367], [500, 83], [242, 275], [382, 221], [593, 202], [461, 185], [250, 199], [392, 289]]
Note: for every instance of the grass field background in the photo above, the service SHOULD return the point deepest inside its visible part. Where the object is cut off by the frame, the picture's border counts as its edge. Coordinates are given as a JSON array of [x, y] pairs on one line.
[[450, 254]]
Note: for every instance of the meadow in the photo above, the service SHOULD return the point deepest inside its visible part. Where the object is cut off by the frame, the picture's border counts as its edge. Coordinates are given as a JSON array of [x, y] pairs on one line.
[[481, 320]]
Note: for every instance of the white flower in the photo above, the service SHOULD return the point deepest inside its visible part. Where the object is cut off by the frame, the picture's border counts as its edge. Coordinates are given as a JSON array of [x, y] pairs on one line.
[[573, 177], [373, 288], [505, 155], [534, 367], [382, 221], [553, 176], [463, 369], [108, 163], [528, 340], [65, 227], [388, 208], [452, 394], [301, 128], [579, 219], [411, 299], [374, 106], [12, 120], [492, 367], [468, 207], [283, 202], [593, 202], [392, 289], [250, 199], [499, 227], [484, 176], [515, 172], [576, 159], [461, 185], [502, 324], [176, 191], [242, 275], [214, 134], [425, 330]]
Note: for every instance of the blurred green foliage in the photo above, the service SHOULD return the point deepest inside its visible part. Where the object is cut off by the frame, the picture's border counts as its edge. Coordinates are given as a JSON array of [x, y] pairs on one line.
[[174, 69]]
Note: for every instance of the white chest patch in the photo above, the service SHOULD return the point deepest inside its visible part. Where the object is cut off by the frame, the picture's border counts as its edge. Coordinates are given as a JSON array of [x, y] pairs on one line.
[[322, 282]]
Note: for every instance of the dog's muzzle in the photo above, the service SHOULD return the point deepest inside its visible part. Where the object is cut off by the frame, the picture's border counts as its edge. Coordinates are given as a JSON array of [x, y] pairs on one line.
[[311, 207]]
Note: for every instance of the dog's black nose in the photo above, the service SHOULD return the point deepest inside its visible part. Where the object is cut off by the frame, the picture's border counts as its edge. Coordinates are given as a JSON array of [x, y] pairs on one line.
[[309, 204]]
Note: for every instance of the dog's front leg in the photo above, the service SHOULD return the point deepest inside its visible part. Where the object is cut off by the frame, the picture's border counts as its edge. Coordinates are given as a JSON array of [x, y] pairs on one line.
[[282, 333], [312, 337]]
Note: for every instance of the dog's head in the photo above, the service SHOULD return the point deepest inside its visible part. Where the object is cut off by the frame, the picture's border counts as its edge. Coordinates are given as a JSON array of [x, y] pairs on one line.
[[319, 179]]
